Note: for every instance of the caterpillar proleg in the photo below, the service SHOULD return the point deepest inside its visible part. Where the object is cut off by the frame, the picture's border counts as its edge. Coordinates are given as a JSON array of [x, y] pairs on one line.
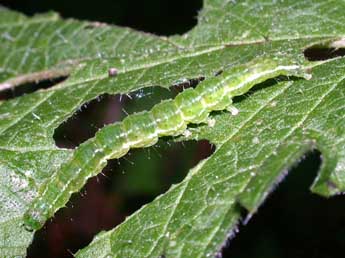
[[168, 118]]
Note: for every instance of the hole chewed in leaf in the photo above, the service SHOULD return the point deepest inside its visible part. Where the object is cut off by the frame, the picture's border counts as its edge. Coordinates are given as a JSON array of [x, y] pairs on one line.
[[319, 54], [107, 109], [123, 187], [325, 51], [90, 117], [26, 84]]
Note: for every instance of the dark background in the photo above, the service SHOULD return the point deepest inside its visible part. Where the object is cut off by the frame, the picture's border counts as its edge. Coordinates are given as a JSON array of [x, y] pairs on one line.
[[291, 223]]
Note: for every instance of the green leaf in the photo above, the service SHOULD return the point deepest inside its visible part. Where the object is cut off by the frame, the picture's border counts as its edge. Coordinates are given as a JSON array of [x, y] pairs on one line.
[[277, 124]]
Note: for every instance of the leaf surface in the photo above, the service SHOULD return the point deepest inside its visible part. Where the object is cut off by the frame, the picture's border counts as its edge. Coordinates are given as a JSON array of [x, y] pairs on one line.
[[278, 122]]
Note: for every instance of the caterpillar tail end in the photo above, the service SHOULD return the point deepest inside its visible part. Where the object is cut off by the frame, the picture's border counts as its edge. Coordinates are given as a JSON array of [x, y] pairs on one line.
[[33, 220]]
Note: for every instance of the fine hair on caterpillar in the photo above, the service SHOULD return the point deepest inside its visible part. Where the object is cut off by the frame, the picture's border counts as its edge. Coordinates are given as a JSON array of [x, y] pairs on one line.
[[167, 118]]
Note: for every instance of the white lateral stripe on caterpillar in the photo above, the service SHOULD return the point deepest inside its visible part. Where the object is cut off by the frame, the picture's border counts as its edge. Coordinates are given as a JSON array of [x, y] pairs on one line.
[[168, 118]]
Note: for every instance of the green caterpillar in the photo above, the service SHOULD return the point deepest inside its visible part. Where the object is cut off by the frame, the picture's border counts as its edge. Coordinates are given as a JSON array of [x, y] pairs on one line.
[[168, 118]]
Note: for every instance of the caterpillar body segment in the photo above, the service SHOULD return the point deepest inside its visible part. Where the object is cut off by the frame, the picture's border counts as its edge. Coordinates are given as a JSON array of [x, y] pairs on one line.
[[87, 160], [140, 130], [106, 139], [168, 118]]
